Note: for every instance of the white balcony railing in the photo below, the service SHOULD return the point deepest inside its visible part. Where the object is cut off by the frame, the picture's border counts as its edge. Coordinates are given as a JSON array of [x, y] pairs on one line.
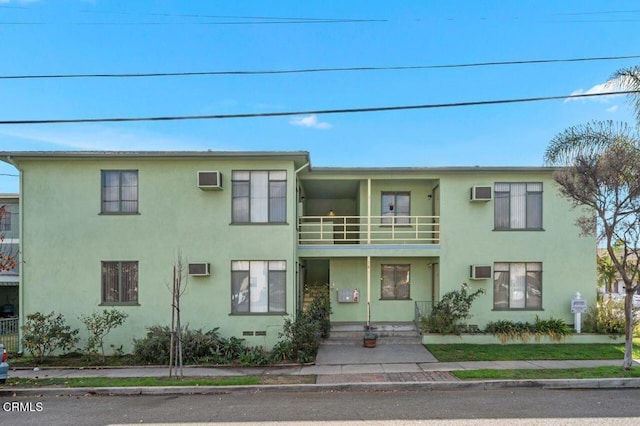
[[314, 230]]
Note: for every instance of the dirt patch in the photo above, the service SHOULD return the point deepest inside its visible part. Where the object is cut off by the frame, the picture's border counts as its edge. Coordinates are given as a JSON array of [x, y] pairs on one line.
[[287, 380]]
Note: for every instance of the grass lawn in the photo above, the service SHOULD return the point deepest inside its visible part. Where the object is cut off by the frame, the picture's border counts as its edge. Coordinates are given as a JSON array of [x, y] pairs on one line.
[[569, 373], [530, 351], [91, 382]]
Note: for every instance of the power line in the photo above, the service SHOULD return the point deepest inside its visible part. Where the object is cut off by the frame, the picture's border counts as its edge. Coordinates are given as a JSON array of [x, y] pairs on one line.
[[282, 22], [314, 112], [193, 15], [316, 70]]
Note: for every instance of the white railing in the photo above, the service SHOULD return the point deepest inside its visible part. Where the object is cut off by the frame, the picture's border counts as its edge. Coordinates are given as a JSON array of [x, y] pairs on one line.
[[9, 334], [313, 230]]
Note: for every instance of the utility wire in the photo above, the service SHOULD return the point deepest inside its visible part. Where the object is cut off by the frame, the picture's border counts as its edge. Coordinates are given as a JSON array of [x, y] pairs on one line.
[[284, 22], [315, 70], [315, 112]]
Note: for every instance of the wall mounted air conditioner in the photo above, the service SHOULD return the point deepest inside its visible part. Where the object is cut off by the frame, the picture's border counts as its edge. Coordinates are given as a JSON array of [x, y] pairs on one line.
[[479, 272], [210, 181], [481, 193], [199, 269]]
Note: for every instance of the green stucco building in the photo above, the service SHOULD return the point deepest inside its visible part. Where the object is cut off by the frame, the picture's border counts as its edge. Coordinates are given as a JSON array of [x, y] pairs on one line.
[[103, 229]]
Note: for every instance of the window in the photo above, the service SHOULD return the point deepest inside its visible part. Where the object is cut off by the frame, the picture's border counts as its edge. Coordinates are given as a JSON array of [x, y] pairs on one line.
[[5, 221], [517, 285], [518, 206], [259, 196], [396, 208], [119, 191], [119, 282], [395, 282], [258, 286]]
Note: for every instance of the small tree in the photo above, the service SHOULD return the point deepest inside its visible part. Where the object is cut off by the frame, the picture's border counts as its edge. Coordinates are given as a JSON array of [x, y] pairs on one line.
[[178, 288], [99, 324], [600, 170], [42, 334]]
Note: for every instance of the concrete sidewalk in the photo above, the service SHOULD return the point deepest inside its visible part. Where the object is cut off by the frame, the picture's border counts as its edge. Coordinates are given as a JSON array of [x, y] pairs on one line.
[[326, 373], [346, 367]]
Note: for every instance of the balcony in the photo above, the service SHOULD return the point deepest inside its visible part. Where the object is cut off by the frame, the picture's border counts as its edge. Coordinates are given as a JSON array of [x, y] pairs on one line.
[[369, 230]]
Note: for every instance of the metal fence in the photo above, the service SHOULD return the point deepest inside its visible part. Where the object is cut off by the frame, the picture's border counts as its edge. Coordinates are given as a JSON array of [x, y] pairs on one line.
[[9, 334], [422, 310]]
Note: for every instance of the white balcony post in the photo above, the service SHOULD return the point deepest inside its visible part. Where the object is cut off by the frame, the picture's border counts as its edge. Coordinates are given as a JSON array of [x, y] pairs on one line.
[[369, 211]]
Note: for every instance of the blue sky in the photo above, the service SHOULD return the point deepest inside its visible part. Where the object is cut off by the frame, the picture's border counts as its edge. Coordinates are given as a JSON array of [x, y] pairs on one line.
[[93, 37]]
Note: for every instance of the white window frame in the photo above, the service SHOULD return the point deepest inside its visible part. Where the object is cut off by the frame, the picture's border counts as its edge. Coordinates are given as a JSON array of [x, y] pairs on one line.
[[255, 287], [265, 194], [520, 282], [520, 199]]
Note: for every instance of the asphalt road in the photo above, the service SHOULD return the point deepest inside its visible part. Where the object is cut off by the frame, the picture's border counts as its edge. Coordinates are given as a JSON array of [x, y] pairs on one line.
[[532, 406]]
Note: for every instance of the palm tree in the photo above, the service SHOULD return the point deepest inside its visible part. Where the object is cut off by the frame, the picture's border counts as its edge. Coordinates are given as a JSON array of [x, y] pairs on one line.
[[629, 79], [599, 169]]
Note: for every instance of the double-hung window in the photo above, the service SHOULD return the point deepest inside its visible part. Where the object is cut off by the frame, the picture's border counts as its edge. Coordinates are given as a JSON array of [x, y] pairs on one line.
[[517, 285], [119, 283], [395, 282], [258, 286], [518, 206], [396, 208], [259, 196], [120, 191]]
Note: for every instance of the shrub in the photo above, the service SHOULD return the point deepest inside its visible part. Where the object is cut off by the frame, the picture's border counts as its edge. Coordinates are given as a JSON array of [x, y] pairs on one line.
[[197, 346], [99, 324], [509, 330], [43, 334], [154, 347], [319, 310], [300, 337], [229, 349], [254, 356], [555, 329], [607, 317], [447, 315]]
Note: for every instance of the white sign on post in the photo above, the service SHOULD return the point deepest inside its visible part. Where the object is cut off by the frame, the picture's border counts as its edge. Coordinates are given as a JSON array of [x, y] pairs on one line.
[[578, 307]]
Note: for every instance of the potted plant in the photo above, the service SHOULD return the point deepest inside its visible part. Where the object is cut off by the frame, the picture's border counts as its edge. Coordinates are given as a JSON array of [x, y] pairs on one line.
[[370, 340]]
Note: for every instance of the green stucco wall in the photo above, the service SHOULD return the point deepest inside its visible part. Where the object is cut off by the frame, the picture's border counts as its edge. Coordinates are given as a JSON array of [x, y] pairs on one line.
[[352, 273], [568, 260], [65, 238]]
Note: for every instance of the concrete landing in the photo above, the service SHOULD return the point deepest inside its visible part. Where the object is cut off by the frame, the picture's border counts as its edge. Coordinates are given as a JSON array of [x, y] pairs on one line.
[[381, 354]]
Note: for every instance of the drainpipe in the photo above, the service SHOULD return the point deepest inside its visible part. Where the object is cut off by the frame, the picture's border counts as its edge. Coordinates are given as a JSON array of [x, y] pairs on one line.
[[368, 211], [368, 292], [296, 284], [21, 249], [368, 257]]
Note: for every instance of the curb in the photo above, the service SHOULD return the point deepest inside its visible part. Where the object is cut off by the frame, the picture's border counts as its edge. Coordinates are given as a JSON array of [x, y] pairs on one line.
[[559, 384]]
